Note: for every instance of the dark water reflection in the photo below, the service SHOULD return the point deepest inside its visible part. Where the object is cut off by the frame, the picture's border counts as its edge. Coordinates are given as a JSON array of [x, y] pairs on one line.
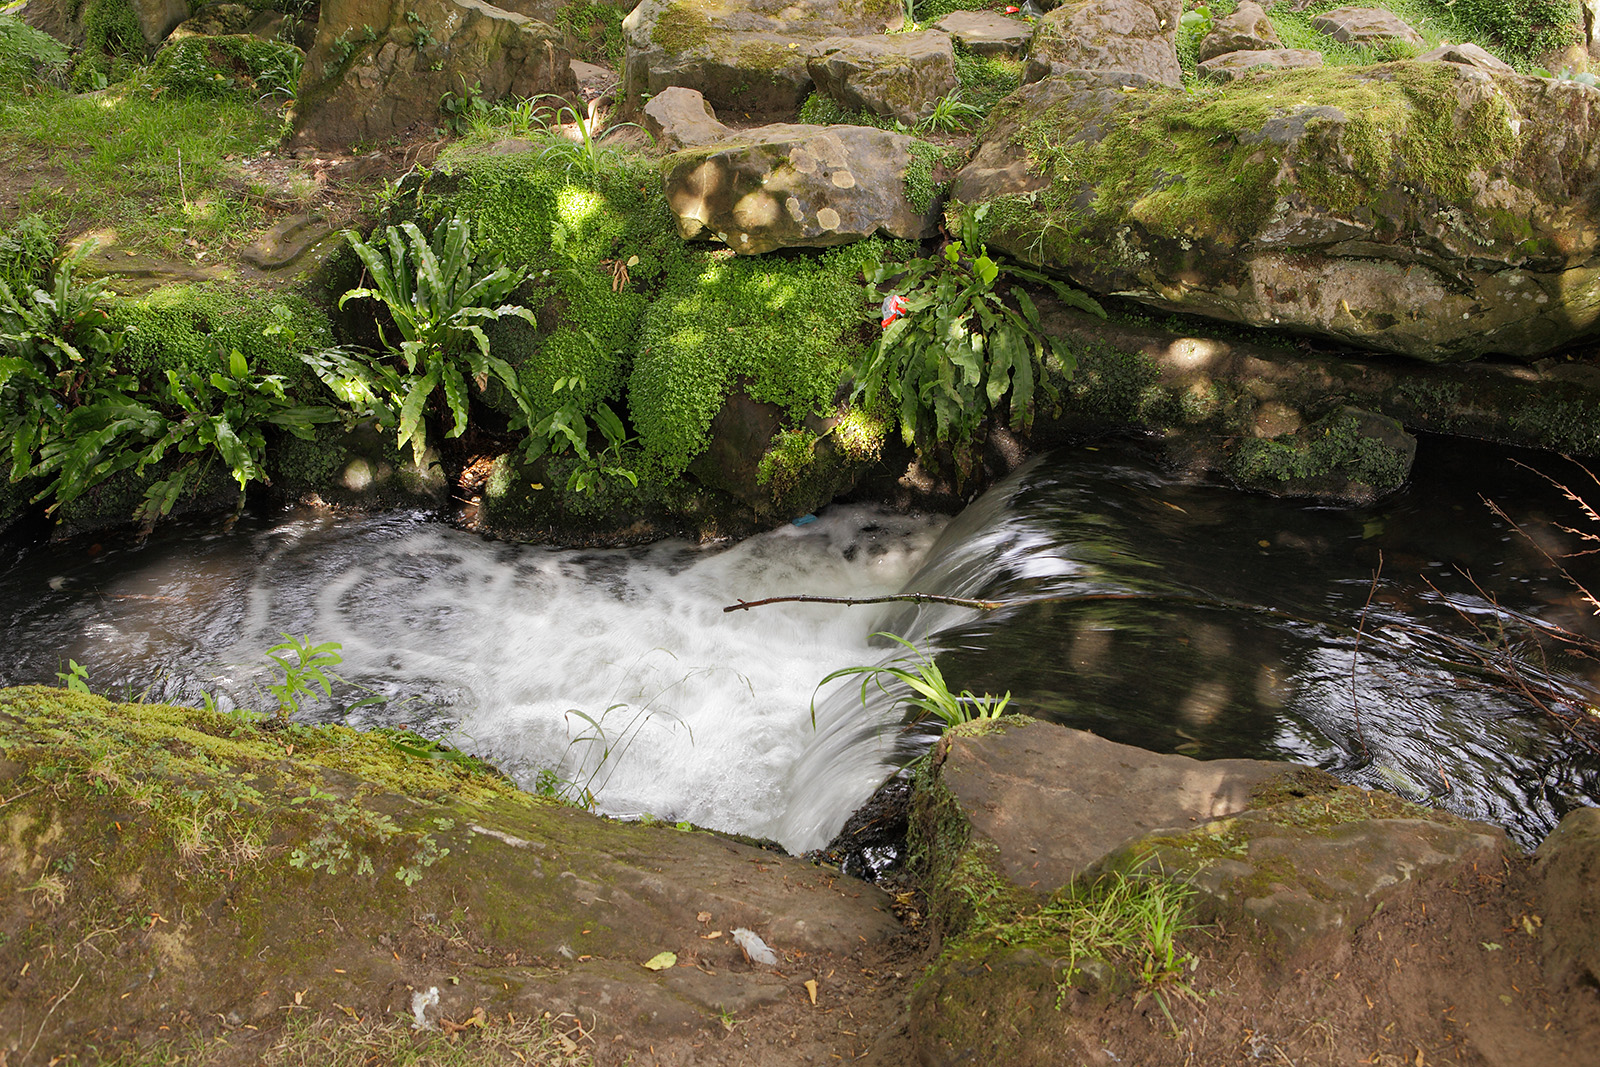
[[1404, 708]]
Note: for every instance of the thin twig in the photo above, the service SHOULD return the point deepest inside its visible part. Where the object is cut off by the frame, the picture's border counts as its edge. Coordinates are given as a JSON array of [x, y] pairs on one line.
[[849, 601], [1355, 656], [52, 1011]]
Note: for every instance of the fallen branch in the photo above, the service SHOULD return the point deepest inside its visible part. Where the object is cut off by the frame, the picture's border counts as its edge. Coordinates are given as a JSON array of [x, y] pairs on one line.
[[850, 601]]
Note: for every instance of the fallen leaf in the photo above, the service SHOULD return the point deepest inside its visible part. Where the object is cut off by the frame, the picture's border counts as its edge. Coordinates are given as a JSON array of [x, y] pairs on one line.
[[712, 936], [811, 990], [703, 917], [661, 961]]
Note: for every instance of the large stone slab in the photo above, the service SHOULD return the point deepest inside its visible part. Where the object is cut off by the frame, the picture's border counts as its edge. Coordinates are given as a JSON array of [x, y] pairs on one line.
[[678, 118], [1429, 209], [899, 76], [987, 33], [375, 71], [747, 57], [1053, 801], [1232, 65], [789, 185], [1365, 26], [1136, 36]]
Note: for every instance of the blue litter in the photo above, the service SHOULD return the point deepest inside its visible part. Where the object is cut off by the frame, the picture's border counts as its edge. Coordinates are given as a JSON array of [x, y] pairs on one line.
[[803, 520]]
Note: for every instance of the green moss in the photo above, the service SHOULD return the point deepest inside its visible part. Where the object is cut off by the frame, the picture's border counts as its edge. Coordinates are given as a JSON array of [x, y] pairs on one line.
[[790, 455], [985, 79], [572, 233], [1561, 425], [788, 328], [111, 27], [681, 27], [1524, 28], [929, 11], [821, 110], [1335, 445], [927, 160], [199, 325]]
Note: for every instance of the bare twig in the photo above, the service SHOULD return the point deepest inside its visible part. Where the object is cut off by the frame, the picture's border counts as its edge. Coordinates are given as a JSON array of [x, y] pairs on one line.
[[53, 1006], [1355, 656]]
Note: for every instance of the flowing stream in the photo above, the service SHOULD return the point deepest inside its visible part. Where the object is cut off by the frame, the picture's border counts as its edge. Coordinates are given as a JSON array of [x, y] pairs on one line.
[[1216, 623]]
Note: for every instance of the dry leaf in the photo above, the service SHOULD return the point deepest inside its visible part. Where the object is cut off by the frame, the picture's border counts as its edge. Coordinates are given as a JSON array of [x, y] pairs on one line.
[[811, 990], [661, 961], [712, 936], [703, 917]]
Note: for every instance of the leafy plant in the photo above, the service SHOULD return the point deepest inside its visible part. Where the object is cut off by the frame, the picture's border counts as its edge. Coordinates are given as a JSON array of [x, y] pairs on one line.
[[585, 153], [226, 414], [54, 355], [951, 114], [438, 295], [75, 677], [462, 110], [304, 673], [930, 695], [567, 427], [969, 339]]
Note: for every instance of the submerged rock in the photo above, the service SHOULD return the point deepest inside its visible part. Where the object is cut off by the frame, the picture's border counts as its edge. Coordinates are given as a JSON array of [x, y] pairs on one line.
[[1433, 210]]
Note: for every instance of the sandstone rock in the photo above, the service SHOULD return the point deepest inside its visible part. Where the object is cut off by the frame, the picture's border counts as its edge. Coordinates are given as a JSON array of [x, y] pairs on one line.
[[1314, 869], [987, 33], [678, 118], [899, 76], [1246, 30], [289, 243], [1568, 867], [1433, 210], [747, 57], [1231, 65], [1365, 26], [366, 87], [787, 186], [64, 19], [1468, 55], [1109, 35]]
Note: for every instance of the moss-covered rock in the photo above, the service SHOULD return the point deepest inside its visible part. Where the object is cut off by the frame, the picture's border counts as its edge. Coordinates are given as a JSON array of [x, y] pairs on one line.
[[233, 63], [1350, 456], [227, 875], [1429, 209], [899, 76]]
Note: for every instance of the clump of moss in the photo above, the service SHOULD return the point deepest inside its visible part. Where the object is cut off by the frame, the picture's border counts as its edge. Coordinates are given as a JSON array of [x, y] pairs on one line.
[[985, 79], [1525, 28], [596, 246], [790, 455], [927, 160], [788, 328], [1339, 445], [199, 325], [819, 109], [681, 27]]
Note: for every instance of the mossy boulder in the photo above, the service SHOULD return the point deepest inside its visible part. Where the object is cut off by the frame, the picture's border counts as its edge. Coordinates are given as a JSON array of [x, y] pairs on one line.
[[232, 63], [790, 185], [747, 57], [1349, 456], [379, 69], [229, 876], [1428, 209], [120, 25], [899, 76]]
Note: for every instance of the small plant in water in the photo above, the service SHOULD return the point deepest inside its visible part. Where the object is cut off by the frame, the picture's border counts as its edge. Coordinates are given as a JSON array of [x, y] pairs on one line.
[[305, 670], [930, 694]]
